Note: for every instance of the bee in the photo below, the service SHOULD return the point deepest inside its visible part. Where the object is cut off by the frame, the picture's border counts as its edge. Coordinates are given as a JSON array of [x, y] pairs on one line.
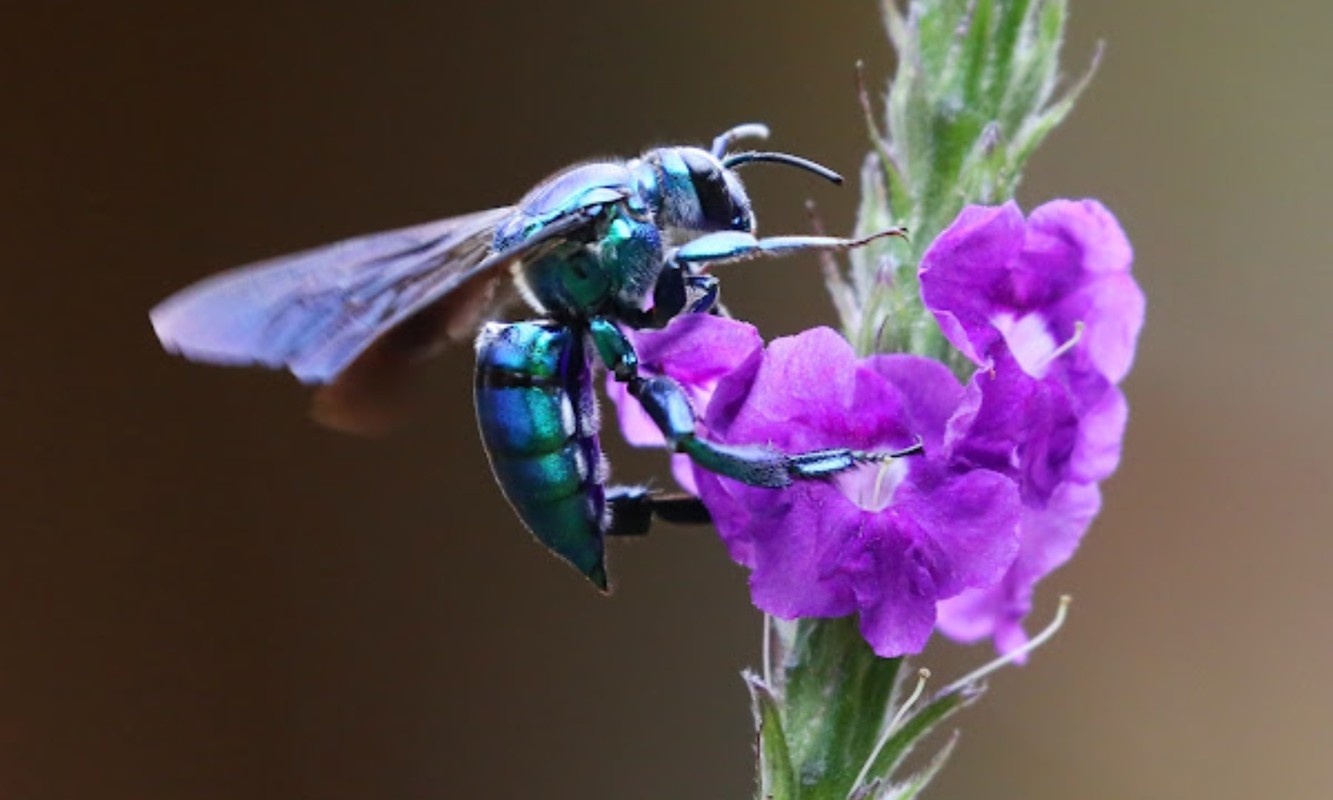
[[591, 251]]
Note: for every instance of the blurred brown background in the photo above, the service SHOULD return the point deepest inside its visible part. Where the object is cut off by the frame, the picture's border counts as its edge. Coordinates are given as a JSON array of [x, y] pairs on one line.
[[202, 595]]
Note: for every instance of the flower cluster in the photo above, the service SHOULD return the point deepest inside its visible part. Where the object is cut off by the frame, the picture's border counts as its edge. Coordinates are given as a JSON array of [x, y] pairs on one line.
[[1049, 311], [1046, 312]]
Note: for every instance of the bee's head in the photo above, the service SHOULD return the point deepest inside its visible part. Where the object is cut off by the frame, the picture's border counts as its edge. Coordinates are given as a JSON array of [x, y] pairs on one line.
[[699, 190], [722, 202], [695, 192]]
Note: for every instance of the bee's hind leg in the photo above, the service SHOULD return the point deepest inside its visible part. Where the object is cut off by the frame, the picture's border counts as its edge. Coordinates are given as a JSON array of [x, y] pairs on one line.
[[633, 509]]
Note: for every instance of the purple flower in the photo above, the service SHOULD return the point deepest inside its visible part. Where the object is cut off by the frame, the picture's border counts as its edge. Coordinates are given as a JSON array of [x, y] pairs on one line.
[[958, 538], [885, 541], [1048, 309]]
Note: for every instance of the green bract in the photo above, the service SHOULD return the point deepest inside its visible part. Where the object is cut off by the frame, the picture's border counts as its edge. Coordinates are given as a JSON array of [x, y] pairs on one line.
[[975, 92]]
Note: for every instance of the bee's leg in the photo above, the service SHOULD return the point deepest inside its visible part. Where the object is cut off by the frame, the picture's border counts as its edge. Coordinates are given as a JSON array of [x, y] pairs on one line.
[[758, 465], [669, 408], [634, 507], [678, 290], [706, 291], [671, 294], [717, 248]]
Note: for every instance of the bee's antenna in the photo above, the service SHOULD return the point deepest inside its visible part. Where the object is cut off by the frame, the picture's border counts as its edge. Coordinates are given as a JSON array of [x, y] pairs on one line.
[[738, 159], [749, 130]]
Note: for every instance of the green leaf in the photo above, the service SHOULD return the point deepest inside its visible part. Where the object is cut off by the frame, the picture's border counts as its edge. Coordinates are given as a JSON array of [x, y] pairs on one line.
[[1036, 128], [977, 57], [777, 780], [910, 788], [984, 174], [918, 725], [1013, 16]]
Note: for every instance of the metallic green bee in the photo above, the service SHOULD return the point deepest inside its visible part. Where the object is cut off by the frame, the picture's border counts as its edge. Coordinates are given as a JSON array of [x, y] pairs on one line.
[[588, 250]]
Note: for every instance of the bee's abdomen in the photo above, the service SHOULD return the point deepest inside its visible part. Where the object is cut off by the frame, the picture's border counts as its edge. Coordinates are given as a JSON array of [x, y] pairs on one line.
[[538, 420]]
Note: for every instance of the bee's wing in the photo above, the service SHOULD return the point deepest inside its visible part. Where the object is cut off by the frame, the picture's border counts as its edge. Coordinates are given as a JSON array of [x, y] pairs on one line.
[[315, 312]]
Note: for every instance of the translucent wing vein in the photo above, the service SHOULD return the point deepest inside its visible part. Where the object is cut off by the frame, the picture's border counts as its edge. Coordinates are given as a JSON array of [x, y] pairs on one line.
[[313, 312]]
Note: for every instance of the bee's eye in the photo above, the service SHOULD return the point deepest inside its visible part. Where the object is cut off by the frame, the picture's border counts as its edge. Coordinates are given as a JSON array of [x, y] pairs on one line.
[[716, 206]]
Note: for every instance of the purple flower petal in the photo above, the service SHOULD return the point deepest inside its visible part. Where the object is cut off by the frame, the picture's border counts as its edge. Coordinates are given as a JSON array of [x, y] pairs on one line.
[[965, 275], [800, 381], [1102, 431], [895, 587], [990, 276], [969, 521], [931, 394], [1084, 241], [935, 543], [1049, 537], [799, 553], [694, 349]]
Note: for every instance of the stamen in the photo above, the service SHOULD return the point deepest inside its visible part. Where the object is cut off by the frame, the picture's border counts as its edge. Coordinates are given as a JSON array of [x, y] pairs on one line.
[[923, 675], [880, 475], [875, 493], [1066, 347], [1037, 641]]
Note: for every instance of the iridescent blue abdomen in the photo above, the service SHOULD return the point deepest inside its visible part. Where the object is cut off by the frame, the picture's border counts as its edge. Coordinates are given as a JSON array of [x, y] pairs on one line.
[[538, 420]]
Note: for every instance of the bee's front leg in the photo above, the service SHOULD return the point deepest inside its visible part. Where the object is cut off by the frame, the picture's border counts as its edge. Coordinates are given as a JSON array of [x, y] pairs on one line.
[[679, 290], [727, 246]]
